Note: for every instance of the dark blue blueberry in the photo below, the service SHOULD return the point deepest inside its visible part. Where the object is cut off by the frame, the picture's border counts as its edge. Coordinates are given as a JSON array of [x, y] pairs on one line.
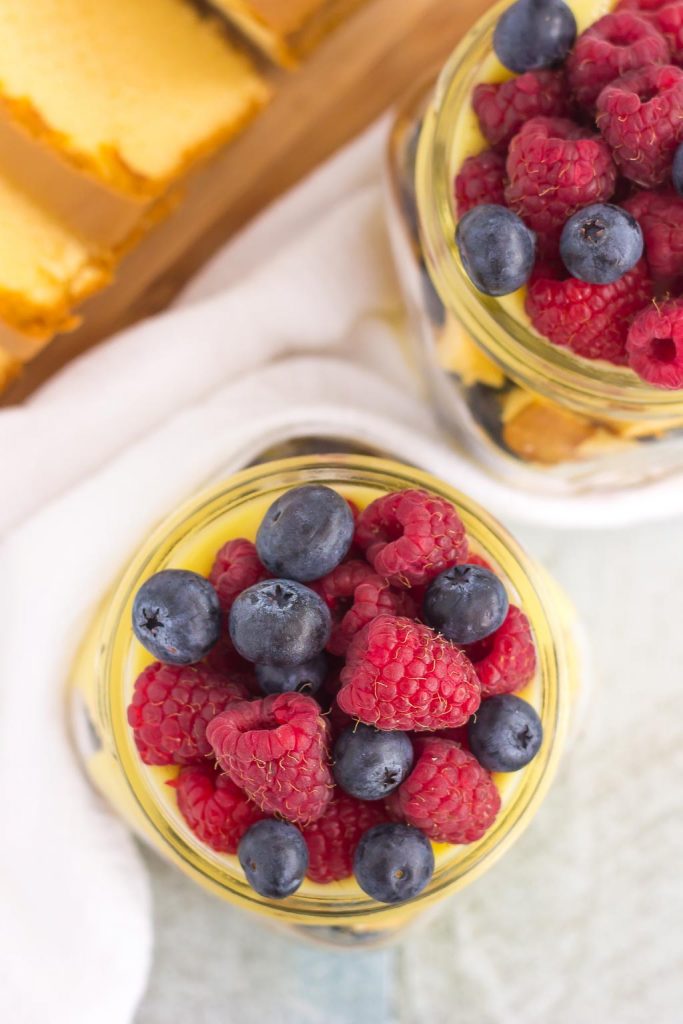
[[534, 34], [497, 249], [305, 533], [677, 170], [370, 764], [177, 617], [393, 863], [279, 622], [505, 734], [465, 603], [305, 678], [274, 858], [601, 243]]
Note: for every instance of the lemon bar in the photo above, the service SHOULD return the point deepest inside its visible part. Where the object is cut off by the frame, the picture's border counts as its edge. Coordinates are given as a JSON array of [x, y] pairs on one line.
[[286, 30], [131, 91]]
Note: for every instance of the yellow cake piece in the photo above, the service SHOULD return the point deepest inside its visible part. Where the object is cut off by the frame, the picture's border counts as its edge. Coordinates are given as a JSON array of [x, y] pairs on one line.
[[132, 91], [286, 30], [10, 368]]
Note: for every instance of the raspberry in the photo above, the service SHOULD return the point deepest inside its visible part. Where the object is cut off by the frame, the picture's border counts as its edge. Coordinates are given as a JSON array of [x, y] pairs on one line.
[[554, 169], [215, 809], [660, 215], [481, 179], [171, 708], [400, 674], [448, 795], [665, 15], [655, 345], [590, 319], [506, 660], [640, 117], [355, 595], [502, 109], [332, 840], [236, 567], [275, 749], [610, 47], [410, 537], [224, 659]]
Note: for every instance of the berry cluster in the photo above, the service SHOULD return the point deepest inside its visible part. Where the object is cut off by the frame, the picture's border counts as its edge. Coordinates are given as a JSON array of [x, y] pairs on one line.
[[580, 193], [332, 719]]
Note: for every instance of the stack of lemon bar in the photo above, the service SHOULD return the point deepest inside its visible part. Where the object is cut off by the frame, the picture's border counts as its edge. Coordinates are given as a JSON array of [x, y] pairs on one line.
[[105, 105]]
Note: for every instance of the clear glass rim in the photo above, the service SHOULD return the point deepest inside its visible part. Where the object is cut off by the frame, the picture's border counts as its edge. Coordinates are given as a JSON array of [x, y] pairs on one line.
[[597, 389], [535, 593]]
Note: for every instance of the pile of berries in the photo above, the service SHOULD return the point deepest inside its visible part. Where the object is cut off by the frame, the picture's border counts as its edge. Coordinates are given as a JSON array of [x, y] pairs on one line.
[[580, 193], [337, 694]]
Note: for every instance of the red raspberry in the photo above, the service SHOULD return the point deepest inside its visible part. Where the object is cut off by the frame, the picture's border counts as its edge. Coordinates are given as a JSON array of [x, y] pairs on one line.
[[215, 809], [660, 215], [236, 567], [503, 108], [400, 674], [356, 595], [554, 169], [224, 659], [655, 345], [275, 749], [590, 319], [665, 15], [640, 117], [506, 660], [448, 795], [171, 708], [481, 179], [332, 840], [410, 537], [610, 47]]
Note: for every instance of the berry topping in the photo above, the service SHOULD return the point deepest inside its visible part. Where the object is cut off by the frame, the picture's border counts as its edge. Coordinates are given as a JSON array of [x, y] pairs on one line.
[[666, 16], [305, 678], [410, 537], [481, 179], [401, 675], [677, 170], [274, 858], [503, 108], [279, 622], [332, 840], [215, 809], [505, 734], [448, 794], [601, 243], [465, 603], [534, 34], [554, 168], [496, 248], [305, 533], [370, 764], [660, 215], [275, 749], [640, 117], [393, 863], [655, 345], [177, 617], [171, 708], [236, 567], [506, 660]]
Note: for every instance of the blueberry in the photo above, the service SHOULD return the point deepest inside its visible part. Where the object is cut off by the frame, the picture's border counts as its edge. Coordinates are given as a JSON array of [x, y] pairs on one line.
[[305, 533], [505, 734], [274, 858], [465, 603], [370, 764], [279, 622], [177, 617], [534, 34], [393, 863], [497, 249], [677, 170], [601, 243], [305, 678]]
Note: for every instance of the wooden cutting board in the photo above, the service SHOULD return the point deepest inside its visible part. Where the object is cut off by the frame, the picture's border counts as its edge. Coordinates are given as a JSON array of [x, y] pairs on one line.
[[356, 74]]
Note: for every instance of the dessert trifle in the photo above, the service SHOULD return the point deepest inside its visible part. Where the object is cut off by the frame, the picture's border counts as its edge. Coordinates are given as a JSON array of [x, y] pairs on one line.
[[331, 690], [537, 219]]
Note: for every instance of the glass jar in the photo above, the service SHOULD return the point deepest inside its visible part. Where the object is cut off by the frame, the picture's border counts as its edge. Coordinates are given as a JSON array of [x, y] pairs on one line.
[[531, 413], [110, 659]]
